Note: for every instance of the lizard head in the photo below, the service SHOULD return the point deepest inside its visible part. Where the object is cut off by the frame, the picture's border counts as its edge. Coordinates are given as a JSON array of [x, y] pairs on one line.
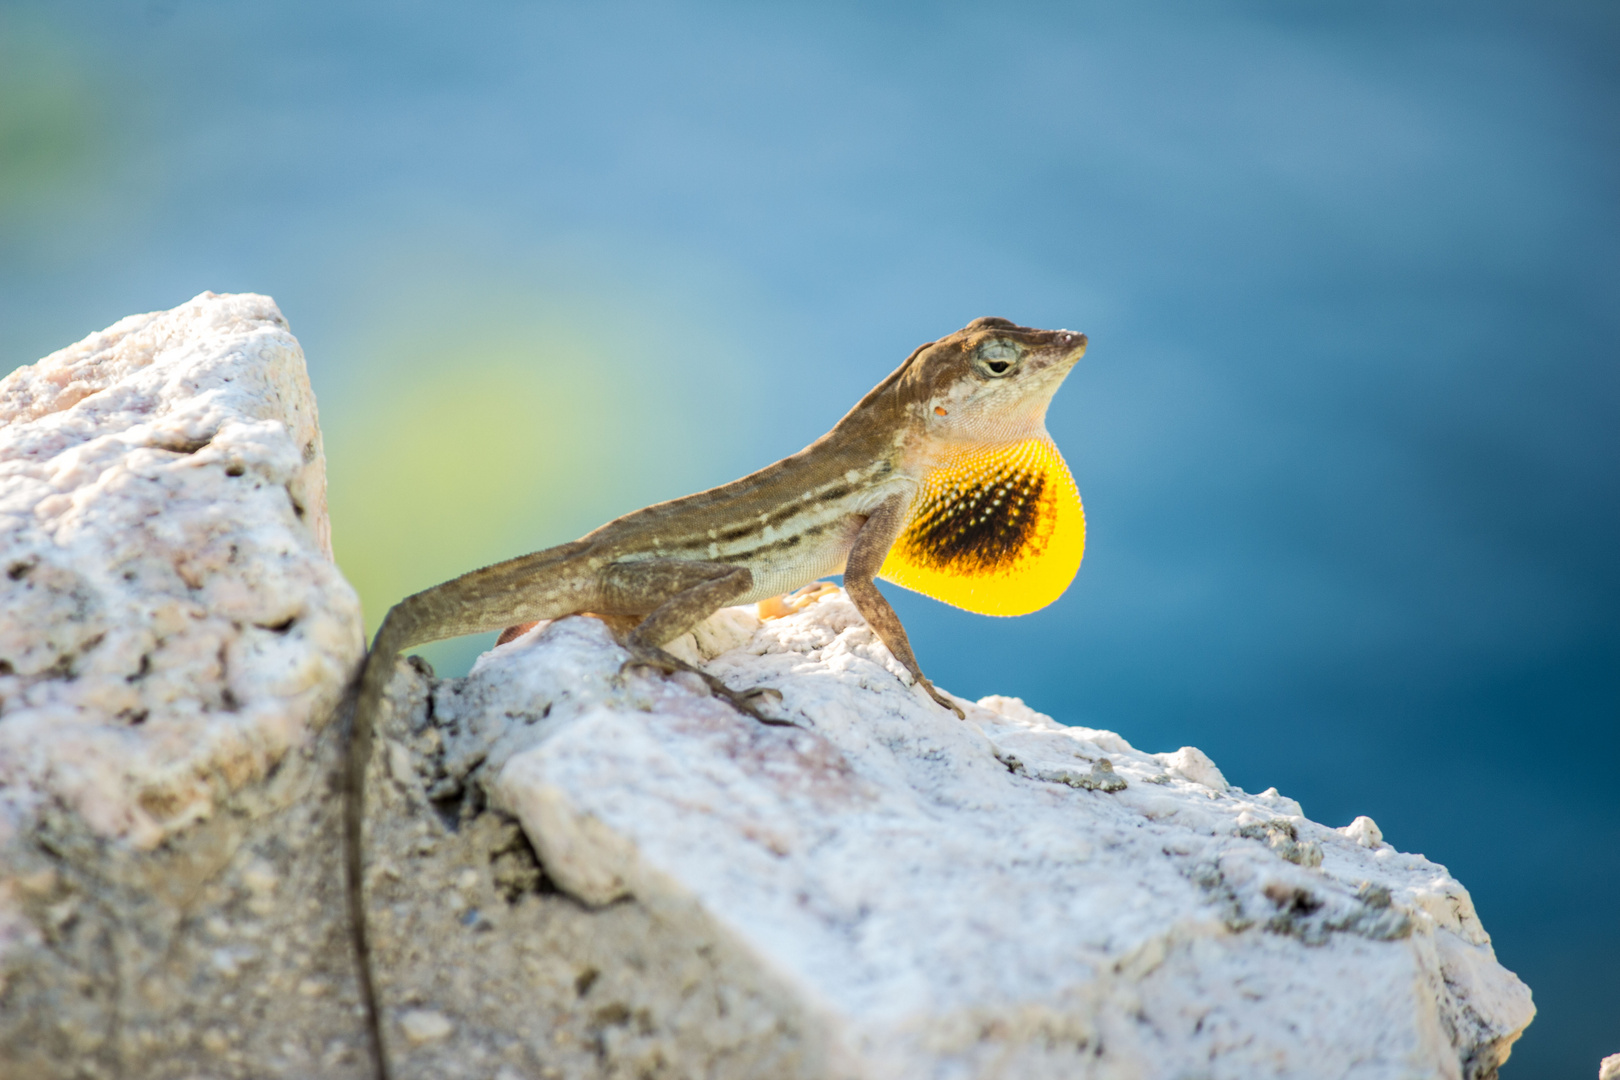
[[996, 524], [990, 382]]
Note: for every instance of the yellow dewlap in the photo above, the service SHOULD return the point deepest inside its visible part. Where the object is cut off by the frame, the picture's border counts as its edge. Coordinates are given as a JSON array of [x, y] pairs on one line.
[[998, 532]]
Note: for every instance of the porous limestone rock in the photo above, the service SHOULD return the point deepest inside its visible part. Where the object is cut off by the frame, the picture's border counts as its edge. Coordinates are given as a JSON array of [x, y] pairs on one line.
[[903, 894], [172, 633], [173, 619]]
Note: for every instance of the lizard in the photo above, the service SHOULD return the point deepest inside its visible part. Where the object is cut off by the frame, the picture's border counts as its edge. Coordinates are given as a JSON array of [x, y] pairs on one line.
[[942, 479]]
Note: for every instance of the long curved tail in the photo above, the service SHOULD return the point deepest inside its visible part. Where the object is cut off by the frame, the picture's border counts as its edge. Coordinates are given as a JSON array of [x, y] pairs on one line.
[[391, 639], [543, 585]]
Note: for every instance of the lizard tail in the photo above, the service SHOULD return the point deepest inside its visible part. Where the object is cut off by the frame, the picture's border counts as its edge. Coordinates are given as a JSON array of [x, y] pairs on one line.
[[486, 599], [391, 638]]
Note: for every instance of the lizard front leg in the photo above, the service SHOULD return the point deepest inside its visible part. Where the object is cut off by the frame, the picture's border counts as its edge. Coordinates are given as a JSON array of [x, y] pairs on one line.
[[679, 595], [872, 545]]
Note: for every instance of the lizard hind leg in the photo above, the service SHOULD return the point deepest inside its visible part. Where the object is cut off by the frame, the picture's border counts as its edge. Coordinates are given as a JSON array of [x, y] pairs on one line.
[[678, 595], [743, 701]]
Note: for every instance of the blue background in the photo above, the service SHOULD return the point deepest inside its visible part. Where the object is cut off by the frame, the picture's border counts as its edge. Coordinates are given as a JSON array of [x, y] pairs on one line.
[[1347, 433]]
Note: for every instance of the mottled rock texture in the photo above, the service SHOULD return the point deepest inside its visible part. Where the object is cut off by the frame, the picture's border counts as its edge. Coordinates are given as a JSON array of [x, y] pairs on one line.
[[172, 633], [578, 872], [906, 894], [173, 621]]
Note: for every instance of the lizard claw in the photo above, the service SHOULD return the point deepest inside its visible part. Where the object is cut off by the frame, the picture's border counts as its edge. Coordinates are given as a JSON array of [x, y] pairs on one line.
[[657, 664], [942, 699], [741, 700]]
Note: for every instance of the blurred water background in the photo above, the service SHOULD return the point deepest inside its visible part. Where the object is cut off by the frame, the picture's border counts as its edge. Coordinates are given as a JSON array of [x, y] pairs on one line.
[[1347, 433]]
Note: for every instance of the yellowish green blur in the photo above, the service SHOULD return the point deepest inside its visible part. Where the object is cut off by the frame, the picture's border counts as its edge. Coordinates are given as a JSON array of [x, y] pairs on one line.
[[52, 133], [464, 435]]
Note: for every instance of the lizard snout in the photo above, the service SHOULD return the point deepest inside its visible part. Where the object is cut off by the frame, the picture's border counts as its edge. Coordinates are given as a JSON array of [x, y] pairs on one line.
[[1069, 345]]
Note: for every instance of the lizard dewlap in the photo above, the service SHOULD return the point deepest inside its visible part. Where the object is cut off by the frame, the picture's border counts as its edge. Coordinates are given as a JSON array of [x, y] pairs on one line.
[[998, 531]]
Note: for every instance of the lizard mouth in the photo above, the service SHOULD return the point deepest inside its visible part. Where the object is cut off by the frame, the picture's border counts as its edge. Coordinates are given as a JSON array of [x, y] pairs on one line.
[[1071, 343], [1061, 352]]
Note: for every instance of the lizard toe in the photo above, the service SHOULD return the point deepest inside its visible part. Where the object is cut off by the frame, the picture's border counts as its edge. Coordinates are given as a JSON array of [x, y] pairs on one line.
[[746, 701], [943, 699], [663, 665]]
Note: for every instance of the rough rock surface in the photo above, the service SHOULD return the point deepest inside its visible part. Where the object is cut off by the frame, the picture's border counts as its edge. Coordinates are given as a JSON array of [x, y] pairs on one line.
[[173, 629], [173, 617], [574, 873], [888, 891]]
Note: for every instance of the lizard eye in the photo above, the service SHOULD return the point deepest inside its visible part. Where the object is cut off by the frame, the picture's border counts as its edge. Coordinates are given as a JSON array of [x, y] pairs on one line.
[[997, 357]]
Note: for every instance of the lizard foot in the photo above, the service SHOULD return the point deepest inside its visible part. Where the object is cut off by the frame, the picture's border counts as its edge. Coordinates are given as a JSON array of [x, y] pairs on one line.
[[741, 700], [942, 699]]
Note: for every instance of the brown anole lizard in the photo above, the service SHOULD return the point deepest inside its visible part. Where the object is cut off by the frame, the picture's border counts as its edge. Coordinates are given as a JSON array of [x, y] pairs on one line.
[[942, 479]]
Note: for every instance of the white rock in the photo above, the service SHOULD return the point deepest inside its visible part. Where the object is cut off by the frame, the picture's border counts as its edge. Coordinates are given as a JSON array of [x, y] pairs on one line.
[[1609, 1068], [260, 878], [1365, 831], [950, 899], [424, 1026], [1191, 763], [174, 622]]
